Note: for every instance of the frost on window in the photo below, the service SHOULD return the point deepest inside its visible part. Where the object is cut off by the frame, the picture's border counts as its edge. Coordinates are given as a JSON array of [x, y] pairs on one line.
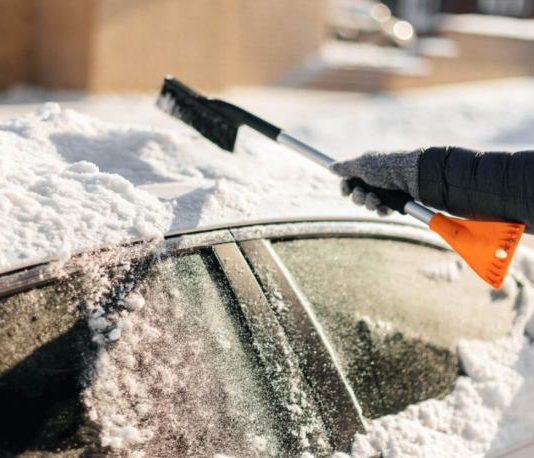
[[44, 348], [179, 381], [144, 359], [391, 315]]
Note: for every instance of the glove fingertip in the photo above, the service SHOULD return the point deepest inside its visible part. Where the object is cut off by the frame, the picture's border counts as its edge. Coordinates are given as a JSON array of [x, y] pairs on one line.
[[346, 169], [359, 196], [370, 201], [373, 201]]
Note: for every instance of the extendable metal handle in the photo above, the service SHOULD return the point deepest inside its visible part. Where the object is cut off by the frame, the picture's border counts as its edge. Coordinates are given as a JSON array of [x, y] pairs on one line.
[[306, 150], [419, 212]]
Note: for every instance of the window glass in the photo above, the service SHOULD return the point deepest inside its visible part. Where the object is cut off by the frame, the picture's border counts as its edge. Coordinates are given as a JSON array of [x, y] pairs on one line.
[[154, 363], [394, 311], [198, 386], [44, 341]]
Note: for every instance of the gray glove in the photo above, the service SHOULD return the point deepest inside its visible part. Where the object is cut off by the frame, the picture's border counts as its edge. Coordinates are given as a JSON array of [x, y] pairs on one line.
[[396, 171]]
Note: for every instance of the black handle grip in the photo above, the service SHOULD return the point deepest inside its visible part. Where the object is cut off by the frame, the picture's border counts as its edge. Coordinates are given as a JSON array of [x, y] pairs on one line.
[[396, 200], [240, 117]]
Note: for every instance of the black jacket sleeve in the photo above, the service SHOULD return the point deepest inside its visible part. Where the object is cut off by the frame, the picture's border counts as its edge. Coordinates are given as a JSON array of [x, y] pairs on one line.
[[473, 184]]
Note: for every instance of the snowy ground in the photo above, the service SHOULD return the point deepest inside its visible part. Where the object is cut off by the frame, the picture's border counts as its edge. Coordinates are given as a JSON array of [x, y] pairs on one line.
[[70, 181]]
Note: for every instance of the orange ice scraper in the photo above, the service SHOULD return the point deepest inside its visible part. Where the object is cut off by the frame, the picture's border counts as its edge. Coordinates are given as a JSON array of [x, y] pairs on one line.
[[486, 246]]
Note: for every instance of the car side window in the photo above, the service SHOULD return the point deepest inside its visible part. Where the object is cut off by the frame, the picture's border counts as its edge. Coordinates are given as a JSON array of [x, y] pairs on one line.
[[198, 384], [44, 344], [158, 364], [394, 311]]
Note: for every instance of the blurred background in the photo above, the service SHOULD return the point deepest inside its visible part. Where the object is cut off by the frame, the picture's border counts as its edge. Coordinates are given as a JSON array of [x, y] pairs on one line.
[[347, 76], [342, 45]]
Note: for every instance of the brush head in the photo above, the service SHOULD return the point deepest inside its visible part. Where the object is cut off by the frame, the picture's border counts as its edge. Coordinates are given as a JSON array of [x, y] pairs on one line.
[[198, 112]]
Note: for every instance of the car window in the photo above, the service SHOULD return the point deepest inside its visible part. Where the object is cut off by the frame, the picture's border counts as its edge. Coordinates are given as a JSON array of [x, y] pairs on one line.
[[43, 342], [158, 364], [202, 390], [394, 311]]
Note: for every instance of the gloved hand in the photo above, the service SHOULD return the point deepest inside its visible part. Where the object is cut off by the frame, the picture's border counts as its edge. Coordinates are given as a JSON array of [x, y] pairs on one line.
[[396, 171], [362, 197]]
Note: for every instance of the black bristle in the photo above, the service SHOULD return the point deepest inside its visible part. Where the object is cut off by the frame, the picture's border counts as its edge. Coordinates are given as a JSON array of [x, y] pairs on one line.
[[216, 120], [193, 109]]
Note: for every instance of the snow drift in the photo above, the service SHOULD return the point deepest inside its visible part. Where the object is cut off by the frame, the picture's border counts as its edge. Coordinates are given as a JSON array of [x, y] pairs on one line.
[[53, 202], [69, 182]]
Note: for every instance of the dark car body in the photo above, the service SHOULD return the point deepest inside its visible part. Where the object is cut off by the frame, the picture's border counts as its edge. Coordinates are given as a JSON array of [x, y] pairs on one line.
[[266, 339]]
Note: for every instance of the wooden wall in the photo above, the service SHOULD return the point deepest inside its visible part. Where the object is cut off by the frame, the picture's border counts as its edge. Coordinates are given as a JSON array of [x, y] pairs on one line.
[[131, 44]]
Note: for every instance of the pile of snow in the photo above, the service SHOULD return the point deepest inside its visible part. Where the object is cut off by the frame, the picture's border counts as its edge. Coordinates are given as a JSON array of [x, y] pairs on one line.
[[489, 411], [110, 322], [54, 199], [261, 180], [69, 182]]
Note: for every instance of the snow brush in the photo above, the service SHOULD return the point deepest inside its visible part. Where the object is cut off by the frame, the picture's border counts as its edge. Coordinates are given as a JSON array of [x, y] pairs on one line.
[[486, 246]]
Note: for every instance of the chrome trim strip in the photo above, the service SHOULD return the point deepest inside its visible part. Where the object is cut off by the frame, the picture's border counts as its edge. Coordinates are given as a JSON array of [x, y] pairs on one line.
[[192, 231], [372, 229], [394, 219]]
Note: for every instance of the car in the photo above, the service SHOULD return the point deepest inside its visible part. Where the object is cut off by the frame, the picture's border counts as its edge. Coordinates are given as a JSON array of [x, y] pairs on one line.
[[370, 21], [259, 338]]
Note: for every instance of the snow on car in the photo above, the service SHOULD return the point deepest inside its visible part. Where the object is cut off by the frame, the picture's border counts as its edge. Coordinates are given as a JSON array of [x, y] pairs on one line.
[[162, 298]]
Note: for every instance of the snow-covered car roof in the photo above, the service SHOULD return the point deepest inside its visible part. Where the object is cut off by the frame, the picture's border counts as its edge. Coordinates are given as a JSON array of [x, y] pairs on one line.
[[71, 182]]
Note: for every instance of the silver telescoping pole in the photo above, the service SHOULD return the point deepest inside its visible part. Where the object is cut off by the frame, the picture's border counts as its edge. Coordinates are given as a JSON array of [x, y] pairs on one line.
[[412, 208]]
